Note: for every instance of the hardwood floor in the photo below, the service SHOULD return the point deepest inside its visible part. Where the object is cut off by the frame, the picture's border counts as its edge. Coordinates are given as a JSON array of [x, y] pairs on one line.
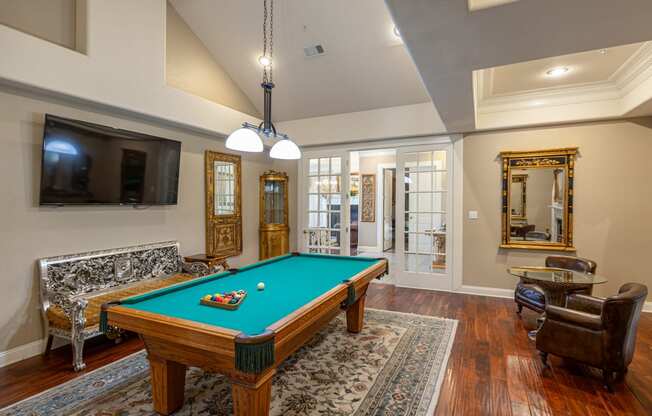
[[493, 369]]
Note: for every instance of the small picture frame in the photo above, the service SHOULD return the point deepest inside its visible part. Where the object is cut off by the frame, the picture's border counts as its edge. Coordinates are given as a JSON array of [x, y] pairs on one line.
[[368, 198]]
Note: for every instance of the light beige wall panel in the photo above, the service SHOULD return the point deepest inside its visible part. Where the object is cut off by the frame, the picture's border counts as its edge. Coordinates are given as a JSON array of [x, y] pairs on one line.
[[290, 167], [51, 20], [612, 200], [192, 68], [28, 232]]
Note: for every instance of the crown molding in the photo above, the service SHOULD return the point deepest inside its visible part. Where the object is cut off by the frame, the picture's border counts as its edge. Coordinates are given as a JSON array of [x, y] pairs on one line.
[[475, 5], [627, 78]]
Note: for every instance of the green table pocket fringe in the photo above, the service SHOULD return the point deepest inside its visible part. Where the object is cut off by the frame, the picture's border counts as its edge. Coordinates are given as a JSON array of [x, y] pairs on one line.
[[254, 358]]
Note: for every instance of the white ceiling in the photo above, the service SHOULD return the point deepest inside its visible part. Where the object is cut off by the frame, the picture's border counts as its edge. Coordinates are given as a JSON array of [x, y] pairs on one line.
[[583, 68], [448, 42], [365, 66]]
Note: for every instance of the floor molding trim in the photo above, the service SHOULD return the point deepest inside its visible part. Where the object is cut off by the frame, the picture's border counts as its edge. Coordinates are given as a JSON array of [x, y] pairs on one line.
[[486, 291], [509, 293], [21, 352], [369, 249]]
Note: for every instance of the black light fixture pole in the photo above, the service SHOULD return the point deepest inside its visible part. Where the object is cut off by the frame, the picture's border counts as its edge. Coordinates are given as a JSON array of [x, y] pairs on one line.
[[243, 139], [268, 128]]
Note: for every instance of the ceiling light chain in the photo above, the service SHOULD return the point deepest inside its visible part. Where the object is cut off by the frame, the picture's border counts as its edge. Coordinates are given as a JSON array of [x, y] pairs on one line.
[[248, 137], [271, 41], [267, 58]]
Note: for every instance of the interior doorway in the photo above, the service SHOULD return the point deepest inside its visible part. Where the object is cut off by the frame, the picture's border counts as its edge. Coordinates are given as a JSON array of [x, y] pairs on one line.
[[373, 204], [394, 203], [388, 209]]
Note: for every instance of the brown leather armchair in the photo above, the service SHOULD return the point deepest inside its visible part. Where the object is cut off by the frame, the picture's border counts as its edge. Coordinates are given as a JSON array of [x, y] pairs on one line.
[[594, 331], [532, 297]]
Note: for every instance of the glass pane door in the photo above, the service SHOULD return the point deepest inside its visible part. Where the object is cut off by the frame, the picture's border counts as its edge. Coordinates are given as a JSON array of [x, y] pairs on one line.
[[325, 204], [423, 205]]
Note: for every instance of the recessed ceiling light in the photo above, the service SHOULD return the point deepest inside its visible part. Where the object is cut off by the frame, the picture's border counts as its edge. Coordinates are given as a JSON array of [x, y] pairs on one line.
[[264, 60], [557, 71], [396, 32], [603, 51]]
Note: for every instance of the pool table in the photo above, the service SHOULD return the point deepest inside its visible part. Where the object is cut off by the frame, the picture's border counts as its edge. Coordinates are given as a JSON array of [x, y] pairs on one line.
[[302, 293]]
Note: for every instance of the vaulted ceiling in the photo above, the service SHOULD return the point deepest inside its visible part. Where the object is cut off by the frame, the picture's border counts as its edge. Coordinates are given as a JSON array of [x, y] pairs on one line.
[[365, 65], [464, 56]]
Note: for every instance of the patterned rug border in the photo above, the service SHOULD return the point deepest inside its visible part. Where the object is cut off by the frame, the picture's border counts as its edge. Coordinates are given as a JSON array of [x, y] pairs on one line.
[[432, 402], [74, 380], [449, 348]]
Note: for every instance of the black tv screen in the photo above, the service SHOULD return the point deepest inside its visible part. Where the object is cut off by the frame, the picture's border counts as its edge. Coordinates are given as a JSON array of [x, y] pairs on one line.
[[85, 163]]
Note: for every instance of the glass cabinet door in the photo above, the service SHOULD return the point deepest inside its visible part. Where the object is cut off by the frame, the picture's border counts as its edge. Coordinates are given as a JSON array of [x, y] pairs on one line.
[[274, 202]]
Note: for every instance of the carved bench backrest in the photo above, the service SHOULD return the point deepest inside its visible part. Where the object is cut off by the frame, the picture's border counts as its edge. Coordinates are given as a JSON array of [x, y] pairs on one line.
[[68, 276]]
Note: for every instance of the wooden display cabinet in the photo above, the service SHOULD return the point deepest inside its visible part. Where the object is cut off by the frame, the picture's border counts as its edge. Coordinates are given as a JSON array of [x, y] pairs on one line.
[[274, 226]]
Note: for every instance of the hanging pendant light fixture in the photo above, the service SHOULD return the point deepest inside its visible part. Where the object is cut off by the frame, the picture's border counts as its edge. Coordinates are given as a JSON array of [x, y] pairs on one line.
[[248, 137]]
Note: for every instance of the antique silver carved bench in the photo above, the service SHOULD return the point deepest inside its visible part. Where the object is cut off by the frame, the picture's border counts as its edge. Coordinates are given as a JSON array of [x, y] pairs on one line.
[[73, 287]]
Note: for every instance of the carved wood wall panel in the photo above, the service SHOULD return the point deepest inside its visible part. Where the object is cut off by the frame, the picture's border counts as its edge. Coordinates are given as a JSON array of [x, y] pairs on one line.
[[223, 204], [368, 198]]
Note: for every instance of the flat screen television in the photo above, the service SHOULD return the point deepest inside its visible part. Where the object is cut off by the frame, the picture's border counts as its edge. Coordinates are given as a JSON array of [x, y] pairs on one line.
[[89, 164]]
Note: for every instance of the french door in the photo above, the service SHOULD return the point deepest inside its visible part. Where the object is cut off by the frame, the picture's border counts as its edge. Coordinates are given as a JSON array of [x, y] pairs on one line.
[[424, 208], [324, 202]]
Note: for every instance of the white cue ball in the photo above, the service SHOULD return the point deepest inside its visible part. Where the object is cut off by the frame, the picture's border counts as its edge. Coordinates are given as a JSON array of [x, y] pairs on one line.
[[261, 286]]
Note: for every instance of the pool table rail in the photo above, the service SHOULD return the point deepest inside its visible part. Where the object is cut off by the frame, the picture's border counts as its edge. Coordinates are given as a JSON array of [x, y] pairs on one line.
[[178, 330], [249, 361]]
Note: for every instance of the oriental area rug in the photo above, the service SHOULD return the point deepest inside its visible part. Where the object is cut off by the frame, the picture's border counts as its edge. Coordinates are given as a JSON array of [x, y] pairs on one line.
[[395, 366]]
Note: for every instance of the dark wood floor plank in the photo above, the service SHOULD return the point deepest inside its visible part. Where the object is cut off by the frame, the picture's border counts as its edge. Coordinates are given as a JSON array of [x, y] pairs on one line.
[[493, 368]]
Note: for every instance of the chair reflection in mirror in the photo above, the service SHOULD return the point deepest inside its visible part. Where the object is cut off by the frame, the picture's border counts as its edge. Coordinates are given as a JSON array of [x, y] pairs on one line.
[[537, 194]]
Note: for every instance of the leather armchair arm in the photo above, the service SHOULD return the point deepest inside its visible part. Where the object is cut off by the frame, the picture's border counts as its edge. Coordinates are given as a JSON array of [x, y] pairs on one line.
[[573, 317], [585, 303]]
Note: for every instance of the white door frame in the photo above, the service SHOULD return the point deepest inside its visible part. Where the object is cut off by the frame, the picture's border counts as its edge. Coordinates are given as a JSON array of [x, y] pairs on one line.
[[457, 141], [302, 198], [379, 203], [424, 280]]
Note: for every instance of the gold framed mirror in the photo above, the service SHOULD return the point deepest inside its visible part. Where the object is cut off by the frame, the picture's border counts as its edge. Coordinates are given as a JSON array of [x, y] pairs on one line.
[[223, 205], [537, 199]]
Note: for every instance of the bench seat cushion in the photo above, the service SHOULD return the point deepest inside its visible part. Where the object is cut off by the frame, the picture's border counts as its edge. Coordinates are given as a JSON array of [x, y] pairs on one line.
[[57, 318]]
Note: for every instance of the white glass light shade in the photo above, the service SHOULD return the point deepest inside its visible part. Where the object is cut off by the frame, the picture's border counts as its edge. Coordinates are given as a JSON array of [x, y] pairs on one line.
[[244, 140], [285, 149]]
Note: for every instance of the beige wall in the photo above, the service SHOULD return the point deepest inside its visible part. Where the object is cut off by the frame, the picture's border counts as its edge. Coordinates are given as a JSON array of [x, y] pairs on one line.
[[51, 20], [28, 232], [612, 200], [192, 68]]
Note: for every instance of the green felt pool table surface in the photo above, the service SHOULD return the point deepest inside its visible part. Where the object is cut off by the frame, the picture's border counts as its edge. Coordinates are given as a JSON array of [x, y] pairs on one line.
[[291, 281]]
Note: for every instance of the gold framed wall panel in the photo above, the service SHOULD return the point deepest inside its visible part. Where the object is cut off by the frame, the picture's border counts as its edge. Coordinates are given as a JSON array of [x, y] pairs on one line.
[[368, 198], [563, 158], [223, 231]]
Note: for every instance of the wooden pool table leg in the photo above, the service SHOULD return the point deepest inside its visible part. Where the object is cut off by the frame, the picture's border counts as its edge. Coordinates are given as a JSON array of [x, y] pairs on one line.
[[168, 383], [355, 315], [253, 399]]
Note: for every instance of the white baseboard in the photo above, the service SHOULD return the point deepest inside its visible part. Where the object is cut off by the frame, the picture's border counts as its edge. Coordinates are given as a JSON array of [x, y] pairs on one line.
[[21, 352], [509, 293], [369, 249], [486, 291]]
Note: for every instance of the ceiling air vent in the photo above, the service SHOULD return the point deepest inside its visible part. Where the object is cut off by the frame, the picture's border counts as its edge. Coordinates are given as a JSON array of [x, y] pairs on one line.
[[314, 50]]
